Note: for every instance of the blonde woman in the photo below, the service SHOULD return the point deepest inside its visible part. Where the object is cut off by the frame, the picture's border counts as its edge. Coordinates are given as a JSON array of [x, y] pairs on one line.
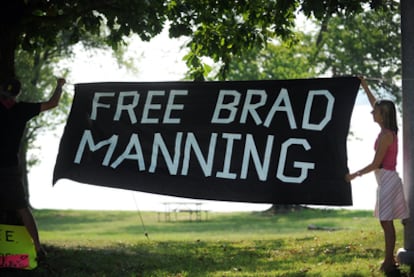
[[390, 202]]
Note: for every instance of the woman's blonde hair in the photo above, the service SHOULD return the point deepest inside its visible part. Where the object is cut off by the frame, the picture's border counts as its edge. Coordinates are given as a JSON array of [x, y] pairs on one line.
[[388, 113]]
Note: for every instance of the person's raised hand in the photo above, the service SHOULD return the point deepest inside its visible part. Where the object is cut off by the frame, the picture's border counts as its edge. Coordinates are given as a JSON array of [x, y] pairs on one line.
[[61, 82]]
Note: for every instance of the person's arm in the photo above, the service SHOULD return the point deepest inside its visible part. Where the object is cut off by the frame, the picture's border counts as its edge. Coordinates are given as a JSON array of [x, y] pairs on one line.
[[371, 97], [384, 142], [54, 100]]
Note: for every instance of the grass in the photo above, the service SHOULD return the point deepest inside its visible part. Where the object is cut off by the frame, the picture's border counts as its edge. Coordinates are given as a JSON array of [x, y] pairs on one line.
[[92, 243]]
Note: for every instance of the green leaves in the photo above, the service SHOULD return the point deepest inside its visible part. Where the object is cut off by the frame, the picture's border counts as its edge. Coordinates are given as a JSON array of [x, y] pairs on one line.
[[227, 30], [365, 44], [278, 60], [221, 30]]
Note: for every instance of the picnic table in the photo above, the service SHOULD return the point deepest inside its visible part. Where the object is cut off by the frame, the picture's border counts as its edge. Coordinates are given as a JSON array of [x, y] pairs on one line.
[[173, 210]]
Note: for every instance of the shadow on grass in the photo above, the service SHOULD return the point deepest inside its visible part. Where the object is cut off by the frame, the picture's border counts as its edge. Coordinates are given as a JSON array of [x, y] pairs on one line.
[[198, 258], [152, 259], [160, 259], [83, 262]]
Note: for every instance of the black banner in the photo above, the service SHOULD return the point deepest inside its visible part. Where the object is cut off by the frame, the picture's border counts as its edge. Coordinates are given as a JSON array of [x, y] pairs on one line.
[[278, 141]]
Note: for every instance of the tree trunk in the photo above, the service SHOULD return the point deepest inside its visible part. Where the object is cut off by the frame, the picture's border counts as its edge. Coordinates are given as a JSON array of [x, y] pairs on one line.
[[8, 45], [11, 16], [284, 208], [406, 255]]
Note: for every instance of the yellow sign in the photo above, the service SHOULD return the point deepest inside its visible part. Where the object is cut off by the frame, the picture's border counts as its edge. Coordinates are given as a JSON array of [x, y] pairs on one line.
[[16, 248]]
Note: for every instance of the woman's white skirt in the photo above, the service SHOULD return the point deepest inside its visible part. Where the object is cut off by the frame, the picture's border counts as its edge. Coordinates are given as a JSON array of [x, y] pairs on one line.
[[391, 203]]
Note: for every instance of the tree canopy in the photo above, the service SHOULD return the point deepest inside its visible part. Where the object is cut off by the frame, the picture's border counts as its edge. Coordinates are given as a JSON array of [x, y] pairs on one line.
[[366, 44], [217, 29], [279, 60]]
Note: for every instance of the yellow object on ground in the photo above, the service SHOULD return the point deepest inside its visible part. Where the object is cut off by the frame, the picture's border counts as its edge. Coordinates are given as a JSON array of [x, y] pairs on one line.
[[16, 248]]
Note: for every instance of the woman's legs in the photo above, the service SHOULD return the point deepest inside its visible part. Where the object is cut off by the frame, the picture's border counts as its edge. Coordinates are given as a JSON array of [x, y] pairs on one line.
[[389, 236]]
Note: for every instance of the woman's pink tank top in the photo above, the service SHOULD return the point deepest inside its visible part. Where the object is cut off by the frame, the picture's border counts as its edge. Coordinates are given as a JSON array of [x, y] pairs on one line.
[[390, 159]]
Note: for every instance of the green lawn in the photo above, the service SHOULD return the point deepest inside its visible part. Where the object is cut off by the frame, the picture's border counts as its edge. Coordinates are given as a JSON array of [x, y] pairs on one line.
[[91, 243]]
